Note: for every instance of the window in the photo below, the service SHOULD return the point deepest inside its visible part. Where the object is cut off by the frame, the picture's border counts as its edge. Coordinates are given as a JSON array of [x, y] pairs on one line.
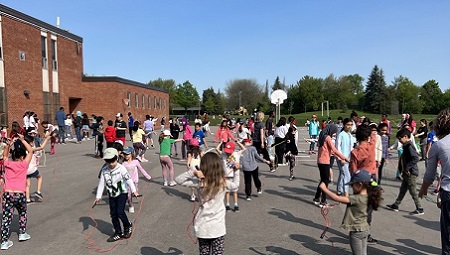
[[160, 103], [154, 102], [54, 62], [22, 55], [136, 99], [143, 101], [129, 99], [149, 102], [44, 52], [1, 55]]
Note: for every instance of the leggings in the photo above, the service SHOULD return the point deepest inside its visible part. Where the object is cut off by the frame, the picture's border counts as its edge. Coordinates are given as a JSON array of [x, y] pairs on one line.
[[325, 178], [279, 150], [166, 162], [358, 242], [13, 200], [248, 175], [139, 149], [291, 160], [184, 148], [380, 170], [211, 246]]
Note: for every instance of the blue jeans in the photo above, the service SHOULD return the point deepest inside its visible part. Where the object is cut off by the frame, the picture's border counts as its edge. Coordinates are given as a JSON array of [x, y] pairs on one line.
[[117, 211], [62, 134], [344, 177], [78, 132], [445, 222], [269, 143], [311, 145]]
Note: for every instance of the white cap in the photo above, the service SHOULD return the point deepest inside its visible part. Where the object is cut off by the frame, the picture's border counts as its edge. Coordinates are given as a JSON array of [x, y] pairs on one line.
[[166, 132], [119, 115]]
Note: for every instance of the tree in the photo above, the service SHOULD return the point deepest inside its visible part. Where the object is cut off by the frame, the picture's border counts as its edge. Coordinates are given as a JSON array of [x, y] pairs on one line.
[[186, 95], [166, 84], [432, 97], [220, 103], [408, 95], [251, 94], [277, 84], [306, 95], [375, 91]]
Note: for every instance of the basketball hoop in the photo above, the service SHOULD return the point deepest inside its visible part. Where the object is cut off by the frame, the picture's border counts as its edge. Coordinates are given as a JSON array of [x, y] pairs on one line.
[[126, 101]]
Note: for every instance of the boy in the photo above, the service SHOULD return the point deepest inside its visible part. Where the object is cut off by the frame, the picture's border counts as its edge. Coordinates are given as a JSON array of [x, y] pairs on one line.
[[384, 134], [114, 176], [110, 134], [408, 166], [231, 167], [200, 136], [250, 168], [97, 133]]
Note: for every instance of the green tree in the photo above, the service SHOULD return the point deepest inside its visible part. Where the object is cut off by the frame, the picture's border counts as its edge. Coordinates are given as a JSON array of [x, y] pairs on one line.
[[432, 97], [251, 93], [277, 84], [408, 95], [186, 95], [220, 103], [375, 91], [306, 95], [169, 84]]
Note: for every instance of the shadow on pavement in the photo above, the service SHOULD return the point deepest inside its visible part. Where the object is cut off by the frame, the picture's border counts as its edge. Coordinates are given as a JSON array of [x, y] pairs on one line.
[[274, 250], [320, 247], [421, 247], [104, 227], [154, 251], [433, 225]]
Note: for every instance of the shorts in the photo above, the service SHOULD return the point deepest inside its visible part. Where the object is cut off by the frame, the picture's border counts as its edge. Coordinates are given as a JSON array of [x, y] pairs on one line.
[[150, 136], [33, 175], [85, 127]]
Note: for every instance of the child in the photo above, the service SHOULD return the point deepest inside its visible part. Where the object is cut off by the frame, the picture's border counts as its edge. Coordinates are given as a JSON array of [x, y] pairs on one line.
[[132, 165], [366, 194], [187, 135], [383, 127], [14, 189], [344, 143], [200, 137], [231, 164], [97, 133], [50, 130], [33, 171], [165, 143], [68, 122], [193, 160], [291, 150], [138, 143], [209, 221], [110, 134], [408, 166], [250, 168], [224, 133], [115, 177]]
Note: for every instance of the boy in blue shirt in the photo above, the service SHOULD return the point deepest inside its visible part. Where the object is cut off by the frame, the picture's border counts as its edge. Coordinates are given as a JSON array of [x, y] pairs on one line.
[[200, 136]]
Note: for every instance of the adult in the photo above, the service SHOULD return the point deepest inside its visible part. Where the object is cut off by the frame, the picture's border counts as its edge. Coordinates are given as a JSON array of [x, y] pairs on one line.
[[121, 128], [259, 139], [130, 125], [422, 134], [313, 132], [440, 151], [60, 118], [384, 119], [77, 124]]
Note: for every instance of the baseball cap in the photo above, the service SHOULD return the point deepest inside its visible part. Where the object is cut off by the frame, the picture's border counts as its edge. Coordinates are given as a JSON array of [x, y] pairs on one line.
[[194, 142], [33, 131], [128, 150], [110, 153], [119, 115], [229, 147], [361, 175], [166, 132], [247, 140], [119, 141]]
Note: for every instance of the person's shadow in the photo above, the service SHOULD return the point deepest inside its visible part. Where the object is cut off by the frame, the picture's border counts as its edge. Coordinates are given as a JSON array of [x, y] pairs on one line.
[[103, 227], [154, 251]]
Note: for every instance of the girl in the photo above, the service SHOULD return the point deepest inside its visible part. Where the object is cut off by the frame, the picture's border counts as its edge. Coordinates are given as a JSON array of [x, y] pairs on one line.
[[209, 221], [132, 166], [243, 132], [148, 128], [68, 122], [85, 126], [33, 171], [16, 130], [366, 196], [250, 168], [174, 131], [138, 144], [187, 135], [164, 156], [291, 150], [14, 188], [224, 133], [50, 130], [193, 160], [206, 124], [281, 130], [163, 123], [326, 147], [77, 124], [422, 134]]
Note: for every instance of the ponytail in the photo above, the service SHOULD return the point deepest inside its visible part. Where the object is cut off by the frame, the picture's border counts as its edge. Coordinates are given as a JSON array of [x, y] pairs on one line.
[[374, 193]]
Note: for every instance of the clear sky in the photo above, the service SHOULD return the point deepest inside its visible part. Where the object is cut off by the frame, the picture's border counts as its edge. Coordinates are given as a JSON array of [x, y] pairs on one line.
[[211, 42]]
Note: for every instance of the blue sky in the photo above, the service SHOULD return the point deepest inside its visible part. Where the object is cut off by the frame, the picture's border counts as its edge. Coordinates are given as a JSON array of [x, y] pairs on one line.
[[212, 42]]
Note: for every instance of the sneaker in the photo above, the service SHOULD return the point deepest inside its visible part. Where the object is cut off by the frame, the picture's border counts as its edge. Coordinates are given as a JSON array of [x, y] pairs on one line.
[[271, 167], [227, 207], [236, 208], [24, 237], [127, 232], [6, 245], [165, 183], [371, 240], [29, 201], [38, 195], [316, 201], [393, 207], [436, 192], [291, 178], [114, 238], [139, 158], [153, 146], [248, 198], [322, 205], [418, 211], [172, 184], [183, 160], [193, 198], [144, 160], [131, 209], [259, 191]]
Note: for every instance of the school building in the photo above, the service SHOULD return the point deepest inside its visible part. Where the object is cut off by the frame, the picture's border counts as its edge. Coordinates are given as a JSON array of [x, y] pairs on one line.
[[41, 69]]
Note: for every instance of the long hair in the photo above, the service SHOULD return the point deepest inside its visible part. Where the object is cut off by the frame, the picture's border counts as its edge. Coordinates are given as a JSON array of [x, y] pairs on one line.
[[442, 123], [161, 138], [329, 130], [195, 151], [281, 122], [374, 193], [135, 126], [212, 168]]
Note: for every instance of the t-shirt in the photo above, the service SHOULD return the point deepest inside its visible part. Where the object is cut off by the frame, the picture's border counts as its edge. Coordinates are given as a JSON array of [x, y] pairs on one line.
[[137, 135], [165, 146], [148, 125], [15, 175], [120, 124], [133, 167], [424, 130], [256, 135], [355, 217], [116, 180], [269, 126], [229, 162], [199, 135], [432, 138]]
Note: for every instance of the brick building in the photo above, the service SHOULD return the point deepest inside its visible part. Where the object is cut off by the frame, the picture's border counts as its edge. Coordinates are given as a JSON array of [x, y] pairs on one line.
[[41, 69]]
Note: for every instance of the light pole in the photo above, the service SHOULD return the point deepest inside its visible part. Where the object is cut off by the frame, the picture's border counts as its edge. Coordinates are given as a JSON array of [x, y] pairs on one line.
[[240, 92]]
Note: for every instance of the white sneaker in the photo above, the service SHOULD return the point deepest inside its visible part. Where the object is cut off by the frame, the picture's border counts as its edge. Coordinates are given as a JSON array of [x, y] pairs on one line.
[[139, 158], [6, 245], [172, 184], [24, 237], [165, 183], [144, 160], [131, 209], [193, 198]]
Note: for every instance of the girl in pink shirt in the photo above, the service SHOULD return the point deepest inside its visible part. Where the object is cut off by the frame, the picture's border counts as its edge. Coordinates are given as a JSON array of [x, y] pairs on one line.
[[326, 148], [187, 135], [15, 178], [224, 133], [133, 165]]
